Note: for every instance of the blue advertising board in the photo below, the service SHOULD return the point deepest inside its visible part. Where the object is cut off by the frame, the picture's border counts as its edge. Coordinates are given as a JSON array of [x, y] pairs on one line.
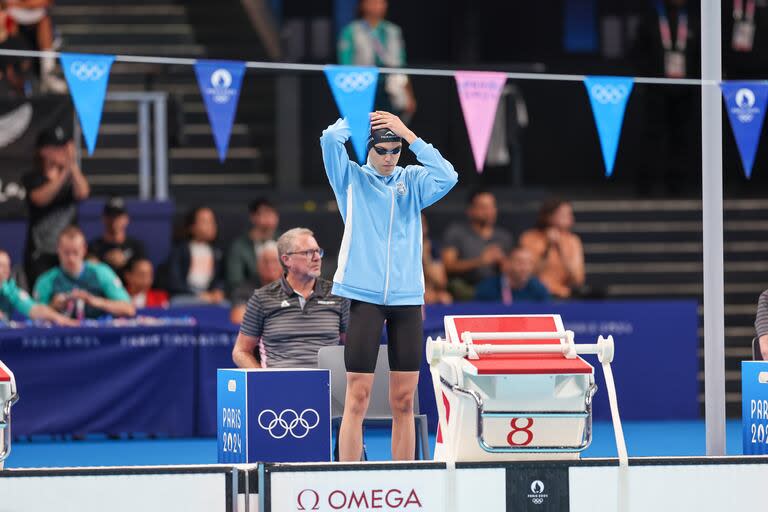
[[754, 407], [274, 415]]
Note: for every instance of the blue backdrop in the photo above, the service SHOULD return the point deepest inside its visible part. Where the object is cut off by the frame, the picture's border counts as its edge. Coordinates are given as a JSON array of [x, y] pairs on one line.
[[162, 379]]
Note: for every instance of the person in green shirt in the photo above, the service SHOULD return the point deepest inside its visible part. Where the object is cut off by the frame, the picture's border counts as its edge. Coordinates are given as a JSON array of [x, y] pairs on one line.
[[82, 288], [13, 298], [241, 265], [371, 40]]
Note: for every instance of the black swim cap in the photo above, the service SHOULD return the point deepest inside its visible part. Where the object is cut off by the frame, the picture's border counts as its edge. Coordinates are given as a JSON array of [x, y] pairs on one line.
[[382, 135]]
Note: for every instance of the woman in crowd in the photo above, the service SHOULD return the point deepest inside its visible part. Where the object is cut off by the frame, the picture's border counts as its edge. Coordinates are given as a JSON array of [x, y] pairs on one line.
[[557, 251], [196, 270]]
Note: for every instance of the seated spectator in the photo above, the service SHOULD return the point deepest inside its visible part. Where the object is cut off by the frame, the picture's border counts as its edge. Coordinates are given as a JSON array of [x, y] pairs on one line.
[[14, 71], [517, 282], [195, 265], [761, 324], [53, 191], [556, 250], [435, 279], [80, 288], [13, 298], [474, 250], [241, 257], [115, 247], [36, 26], [268, 269], [138, 275], [288, 321]]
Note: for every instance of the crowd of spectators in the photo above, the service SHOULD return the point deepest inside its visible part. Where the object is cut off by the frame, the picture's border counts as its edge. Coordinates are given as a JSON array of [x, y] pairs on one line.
[[476, 259]]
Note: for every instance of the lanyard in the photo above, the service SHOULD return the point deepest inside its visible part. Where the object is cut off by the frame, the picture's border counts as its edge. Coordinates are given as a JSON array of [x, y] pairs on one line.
[[666, 32], [739, 12], [378, 48]]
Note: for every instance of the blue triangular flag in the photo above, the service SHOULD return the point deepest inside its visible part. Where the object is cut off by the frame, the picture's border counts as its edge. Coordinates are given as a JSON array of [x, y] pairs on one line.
[[745, 103], [219, 82], [354, 89], [608, 96], [87, 77]]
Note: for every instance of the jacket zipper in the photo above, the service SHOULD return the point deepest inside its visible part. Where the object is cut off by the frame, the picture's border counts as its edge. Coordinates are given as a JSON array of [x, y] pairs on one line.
[[389, 243]]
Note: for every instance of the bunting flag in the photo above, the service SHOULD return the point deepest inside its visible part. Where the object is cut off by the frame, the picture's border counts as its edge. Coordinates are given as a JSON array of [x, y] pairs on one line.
[[745, 103], [87, 77], [354, 89], [219, 82], [608, 96], [479, 93]]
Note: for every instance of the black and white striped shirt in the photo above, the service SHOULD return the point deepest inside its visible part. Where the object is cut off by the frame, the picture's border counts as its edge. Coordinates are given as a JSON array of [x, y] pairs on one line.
[[761, 319], [291, 332]]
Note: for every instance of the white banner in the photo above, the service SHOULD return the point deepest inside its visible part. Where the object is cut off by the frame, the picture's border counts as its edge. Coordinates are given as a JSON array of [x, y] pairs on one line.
[[672, 488], [387, 490], [116, 493]]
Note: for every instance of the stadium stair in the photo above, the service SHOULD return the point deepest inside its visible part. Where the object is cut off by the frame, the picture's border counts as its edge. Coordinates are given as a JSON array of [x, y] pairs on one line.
[[174, 29]]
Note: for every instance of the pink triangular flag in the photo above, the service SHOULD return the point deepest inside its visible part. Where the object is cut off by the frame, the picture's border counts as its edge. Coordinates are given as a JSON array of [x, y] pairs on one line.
[[479, 93]]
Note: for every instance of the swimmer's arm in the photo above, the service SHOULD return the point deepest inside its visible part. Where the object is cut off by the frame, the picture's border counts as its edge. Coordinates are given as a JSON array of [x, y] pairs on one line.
[[338, 167]]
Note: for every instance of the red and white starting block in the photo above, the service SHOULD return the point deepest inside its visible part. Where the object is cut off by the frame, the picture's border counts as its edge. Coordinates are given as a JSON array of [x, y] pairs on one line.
[[8, 397], [513, 387]]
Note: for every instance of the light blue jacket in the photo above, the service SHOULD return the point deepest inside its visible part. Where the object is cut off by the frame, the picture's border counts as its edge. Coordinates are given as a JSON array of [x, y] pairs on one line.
[[380, 255]]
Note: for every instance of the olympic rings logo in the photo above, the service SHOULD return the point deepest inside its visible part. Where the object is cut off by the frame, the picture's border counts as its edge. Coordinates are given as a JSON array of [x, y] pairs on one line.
[[606, 94], [354, 81], [288, 422], [87, 70]]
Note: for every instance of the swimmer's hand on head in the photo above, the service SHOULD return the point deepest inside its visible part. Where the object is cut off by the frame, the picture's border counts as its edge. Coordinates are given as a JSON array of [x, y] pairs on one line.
[[381, 119]]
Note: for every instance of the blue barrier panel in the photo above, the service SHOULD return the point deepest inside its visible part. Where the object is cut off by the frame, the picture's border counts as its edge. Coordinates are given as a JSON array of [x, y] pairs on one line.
[[284, 415], [103, 380], [754, 407]]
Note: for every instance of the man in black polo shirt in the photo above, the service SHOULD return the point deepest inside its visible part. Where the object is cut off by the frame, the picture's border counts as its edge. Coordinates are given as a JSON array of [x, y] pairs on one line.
[[288, 321]]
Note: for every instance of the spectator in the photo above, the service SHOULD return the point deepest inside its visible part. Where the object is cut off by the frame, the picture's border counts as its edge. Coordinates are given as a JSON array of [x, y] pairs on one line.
[[14, 71], [195, 266], [13, 298], [241, 257], [82, 288], [36, 26], [435, 278], [667, 44], [516, 284], [761, 324], [373, 41], [53, 191], [745, 38], [474, 250], [268, 269], [288, 321], [557, 251], [115, 247], [138, 276]]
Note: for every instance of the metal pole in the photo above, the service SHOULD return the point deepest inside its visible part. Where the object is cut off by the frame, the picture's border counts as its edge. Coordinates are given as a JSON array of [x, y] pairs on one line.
[[144, 149], [161, 150], [712, 206], [288, 123]]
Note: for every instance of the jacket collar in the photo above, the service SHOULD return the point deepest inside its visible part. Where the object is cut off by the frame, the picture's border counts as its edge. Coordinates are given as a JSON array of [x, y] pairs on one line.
[[385, 179], [288, 289]]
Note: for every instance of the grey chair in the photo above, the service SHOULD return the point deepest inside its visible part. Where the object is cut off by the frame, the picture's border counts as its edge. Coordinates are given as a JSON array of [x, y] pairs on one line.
[[757, 355], [379, 413]]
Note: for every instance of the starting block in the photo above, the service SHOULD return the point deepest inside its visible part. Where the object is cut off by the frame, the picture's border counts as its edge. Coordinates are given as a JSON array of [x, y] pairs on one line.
[[512, 387], [8, 397]]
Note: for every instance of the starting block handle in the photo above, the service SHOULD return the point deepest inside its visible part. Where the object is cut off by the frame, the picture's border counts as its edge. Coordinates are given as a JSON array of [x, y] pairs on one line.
[[604, 348]]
